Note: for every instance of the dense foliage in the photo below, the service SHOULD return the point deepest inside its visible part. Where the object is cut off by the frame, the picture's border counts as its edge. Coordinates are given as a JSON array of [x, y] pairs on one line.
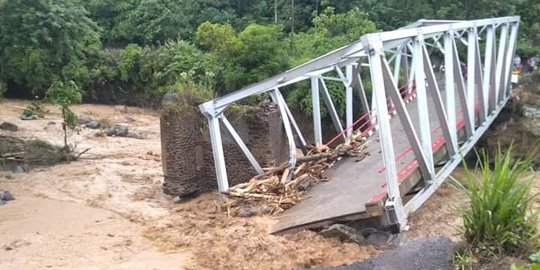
[[120, 51]]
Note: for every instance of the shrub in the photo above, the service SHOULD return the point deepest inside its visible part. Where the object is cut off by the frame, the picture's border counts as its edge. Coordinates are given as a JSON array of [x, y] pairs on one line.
[[498, 220], [3, 89], [64, 94]]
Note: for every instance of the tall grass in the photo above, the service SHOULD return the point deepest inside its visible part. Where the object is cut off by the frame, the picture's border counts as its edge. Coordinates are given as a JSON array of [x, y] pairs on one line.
[[498, 219]]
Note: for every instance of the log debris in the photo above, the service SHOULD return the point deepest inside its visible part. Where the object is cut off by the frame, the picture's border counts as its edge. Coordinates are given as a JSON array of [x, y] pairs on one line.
[[281, 187]]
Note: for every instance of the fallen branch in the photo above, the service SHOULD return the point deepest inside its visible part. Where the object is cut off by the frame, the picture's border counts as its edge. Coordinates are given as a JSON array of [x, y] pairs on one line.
[[281, 187], [81, 153]]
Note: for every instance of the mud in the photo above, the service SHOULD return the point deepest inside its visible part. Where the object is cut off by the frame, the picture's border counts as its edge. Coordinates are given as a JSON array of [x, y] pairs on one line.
[[65, 214], [118, 183]]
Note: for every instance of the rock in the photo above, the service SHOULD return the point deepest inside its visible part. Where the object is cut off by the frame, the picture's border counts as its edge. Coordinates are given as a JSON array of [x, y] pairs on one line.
[[133, 135], [118, 130], [246, 212], [2, 202], [6, 196], [127, 119], [84, 119], [427, 253], [170, 98], [9, 177], [9, 126], [17, 168], [31, 117], [344, 233], [93, 124]]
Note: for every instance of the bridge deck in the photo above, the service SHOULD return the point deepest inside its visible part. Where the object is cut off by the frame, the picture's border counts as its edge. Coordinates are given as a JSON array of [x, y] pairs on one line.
[[356, 189]]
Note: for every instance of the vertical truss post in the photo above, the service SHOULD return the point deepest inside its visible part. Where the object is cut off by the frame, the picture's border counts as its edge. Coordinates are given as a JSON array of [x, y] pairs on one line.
[[242, 145], [362, 94], [438, 104], [479, 81], [331, 108], [315, 101], [349, 99], [423, 111], [276, 96], [465, 103], [397, 64], [509, 60], [394, 204], [217, 146], [405, 119], [471, 72], [412, 71], [489, 70], [449, 84], [501, 63]]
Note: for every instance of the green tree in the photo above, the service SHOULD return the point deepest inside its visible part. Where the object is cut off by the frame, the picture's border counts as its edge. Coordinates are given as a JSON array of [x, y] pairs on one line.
[[331, 30], [65, 94], [42, 41], [254, 54]]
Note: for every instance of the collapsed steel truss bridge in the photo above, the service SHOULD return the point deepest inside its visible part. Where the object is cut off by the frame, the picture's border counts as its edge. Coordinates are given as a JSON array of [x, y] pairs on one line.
[[431, 115]]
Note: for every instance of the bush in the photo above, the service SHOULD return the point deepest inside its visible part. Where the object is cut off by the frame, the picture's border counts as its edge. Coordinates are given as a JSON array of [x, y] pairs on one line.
[[3, 89], [65, 94], [498, 220]]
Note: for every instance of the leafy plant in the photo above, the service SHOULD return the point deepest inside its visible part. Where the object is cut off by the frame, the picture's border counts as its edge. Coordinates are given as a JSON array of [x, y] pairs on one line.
[[498, 219], [34, 109], [535, 257], [464, 260], [64, 94]]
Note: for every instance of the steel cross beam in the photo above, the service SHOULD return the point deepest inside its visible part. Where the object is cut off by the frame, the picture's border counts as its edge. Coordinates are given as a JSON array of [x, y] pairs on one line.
[[464, 100]]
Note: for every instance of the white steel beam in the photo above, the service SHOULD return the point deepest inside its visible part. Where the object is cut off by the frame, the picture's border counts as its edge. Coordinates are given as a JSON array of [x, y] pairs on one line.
[[465, 103], [510, 57], [218, 153], [449, 84], [479, 81], [406, 122], [331, 109], [349, 100], [489, 69], [422, 103], [287, 125], [419, 199], [316, 110], [242, 145], [374, 46], [471, 72], [435, 94], [501, 63]]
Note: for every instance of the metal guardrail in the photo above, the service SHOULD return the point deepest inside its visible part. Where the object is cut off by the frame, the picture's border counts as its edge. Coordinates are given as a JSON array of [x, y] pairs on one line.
[[389, 56]]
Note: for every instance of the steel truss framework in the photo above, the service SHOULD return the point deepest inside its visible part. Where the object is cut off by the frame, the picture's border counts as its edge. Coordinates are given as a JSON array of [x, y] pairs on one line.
[[392, 57]]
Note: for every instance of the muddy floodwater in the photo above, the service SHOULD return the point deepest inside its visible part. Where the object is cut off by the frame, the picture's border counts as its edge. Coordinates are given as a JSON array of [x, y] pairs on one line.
[[107, 211]]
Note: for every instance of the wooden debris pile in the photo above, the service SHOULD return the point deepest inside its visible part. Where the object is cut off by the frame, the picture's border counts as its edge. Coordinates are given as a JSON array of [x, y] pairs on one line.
[[31, 152], [281, 187]]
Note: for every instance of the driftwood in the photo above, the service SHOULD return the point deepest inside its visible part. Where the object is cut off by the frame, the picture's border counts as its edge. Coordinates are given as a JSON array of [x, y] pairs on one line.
[[281, 187]]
